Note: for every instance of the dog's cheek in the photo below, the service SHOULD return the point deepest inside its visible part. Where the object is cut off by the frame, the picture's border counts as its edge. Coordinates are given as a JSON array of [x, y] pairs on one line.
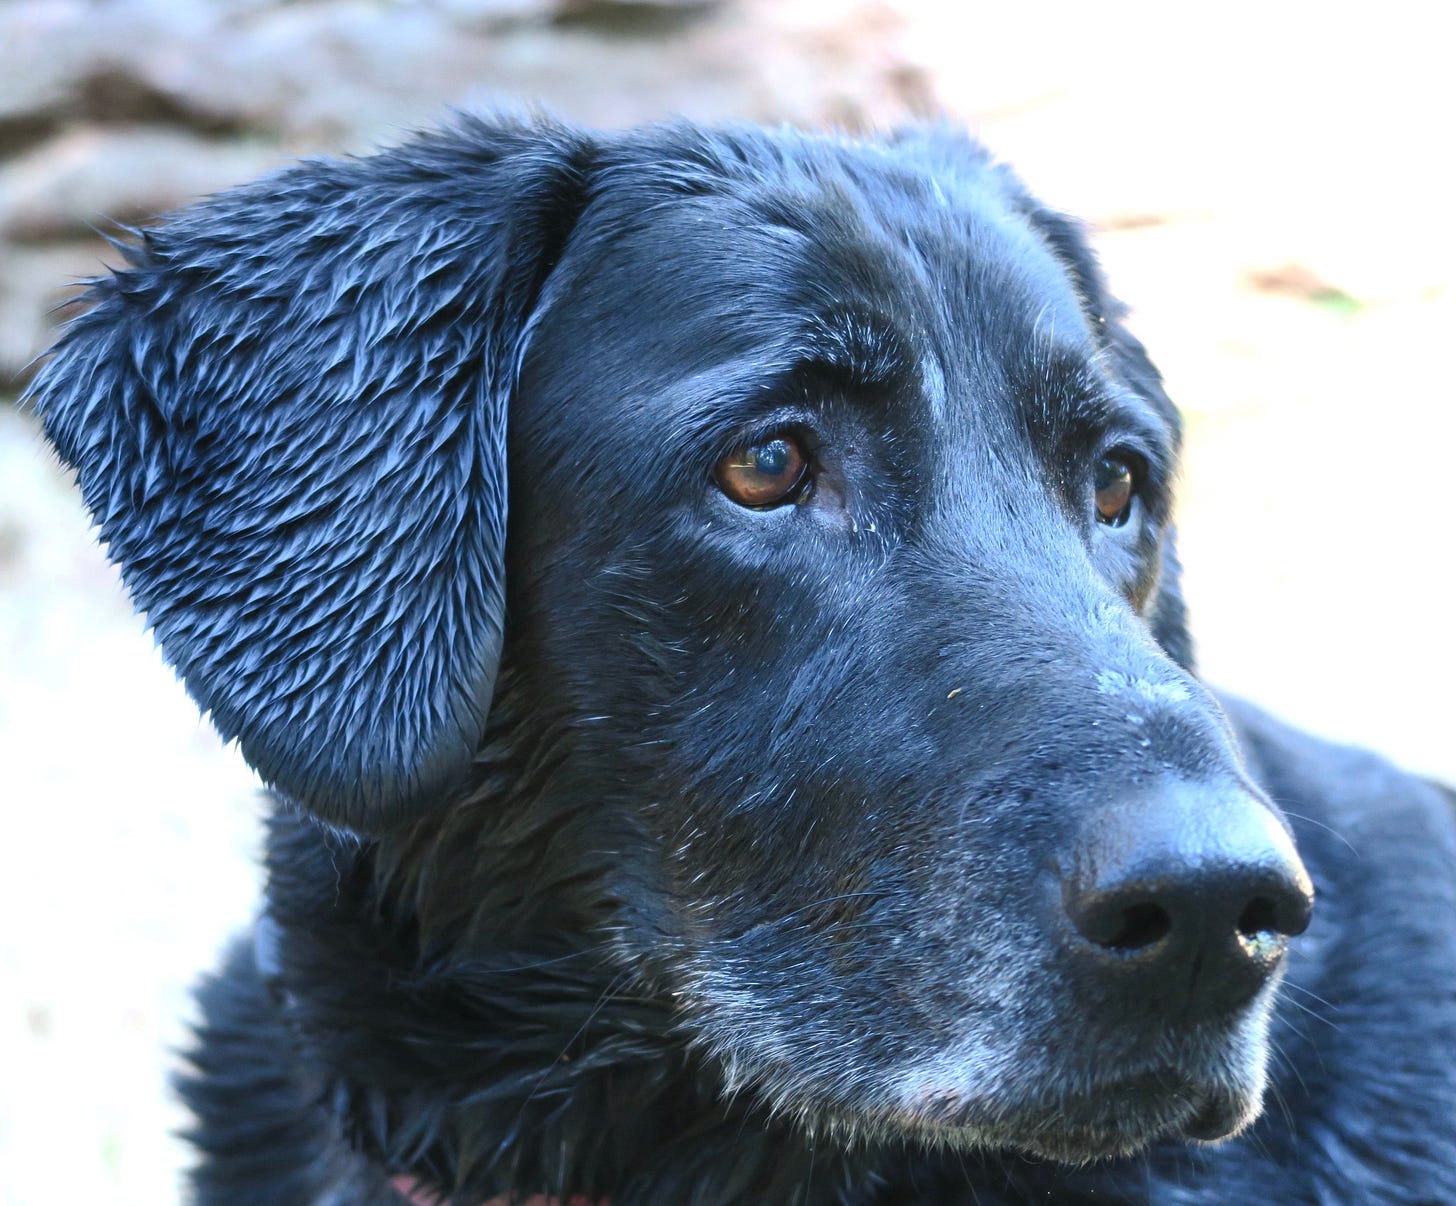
[[866, 964]]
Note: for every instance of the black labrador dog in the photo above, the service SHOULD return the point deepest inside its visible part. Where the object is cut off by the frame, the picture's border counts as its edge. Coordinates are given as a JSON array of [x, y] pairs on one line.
[[705, 602]]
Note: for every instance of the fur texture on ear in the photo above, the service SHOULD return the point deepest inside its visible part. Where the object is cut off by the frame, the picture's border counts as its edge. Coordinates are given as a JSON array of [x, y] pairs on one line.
[[287, 416]]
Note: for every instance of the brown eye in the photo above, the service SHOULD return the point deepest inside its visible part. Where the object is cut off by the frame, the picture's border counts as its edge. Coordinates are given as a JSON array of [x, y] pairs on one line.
[[764, 475], [1113, 483]]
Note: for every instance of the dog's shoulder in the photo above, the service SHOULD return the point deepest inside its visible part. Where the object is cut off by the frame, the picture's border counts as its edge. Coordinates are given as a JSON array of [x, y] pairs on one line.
[[1368, 1017], [1382, 819]]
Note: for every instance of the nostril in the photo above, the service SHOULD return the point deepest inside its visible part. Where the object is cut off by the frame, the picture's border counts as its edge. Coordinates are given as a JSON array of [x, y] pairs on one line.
[[1283, 913], [1107, 920], [1260, 917], [1143, 925]]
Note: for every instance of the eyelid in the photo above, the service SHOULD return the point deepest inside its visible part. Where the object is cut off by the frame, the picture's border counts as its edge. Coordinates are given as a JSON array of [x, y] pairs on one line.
[[783, 421]]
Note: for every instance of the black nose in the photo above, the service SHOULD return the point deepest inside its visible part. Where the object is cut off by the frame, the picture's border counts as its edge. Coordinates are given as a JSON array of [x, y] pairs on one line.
[[1184, 899]]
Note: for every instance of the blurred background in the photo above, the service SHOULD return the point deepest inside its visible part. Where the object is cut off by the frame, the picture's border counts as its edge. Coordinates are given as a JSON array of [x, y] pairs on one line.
[[1269, 189]]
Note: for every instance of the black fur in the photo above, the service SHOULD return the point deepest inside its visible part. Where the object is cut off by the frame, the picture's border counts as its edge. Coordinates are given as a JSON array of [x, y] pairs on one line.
[[639, 845]]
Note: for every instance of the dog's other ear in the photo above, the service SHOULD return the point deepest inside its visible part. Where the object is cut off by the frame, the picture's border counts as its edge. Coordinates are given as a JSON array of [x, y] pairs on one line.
[[1129, 360], [287, 417]]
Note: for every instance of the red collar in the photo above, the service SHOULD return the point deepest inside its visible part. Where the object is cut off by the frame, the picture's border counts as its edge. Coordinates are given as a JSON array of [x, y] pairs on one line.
[[419, 1195]]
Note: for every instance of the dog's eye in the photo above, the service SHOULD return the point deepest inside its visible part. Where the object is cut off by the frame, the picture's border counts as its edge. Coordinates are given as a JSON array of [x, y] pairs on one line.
[[1114, 485], [768, 474]]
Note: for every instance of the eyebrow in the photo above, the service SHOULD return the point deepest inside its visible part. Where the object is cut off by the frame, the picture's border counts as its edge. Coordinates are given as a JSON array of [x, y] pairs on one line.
[[1078, 393], [858, 345]]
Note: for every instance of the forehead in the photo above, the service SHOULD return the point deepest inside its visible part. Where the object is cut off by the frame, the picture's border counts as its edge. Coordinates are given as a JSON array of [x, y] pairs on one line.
[[764, 248]]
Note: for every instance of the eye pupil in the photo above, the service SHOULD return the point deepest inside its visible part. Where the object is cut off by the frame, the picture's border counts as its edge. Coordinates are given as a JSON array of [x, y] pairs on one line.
[[772, 458]]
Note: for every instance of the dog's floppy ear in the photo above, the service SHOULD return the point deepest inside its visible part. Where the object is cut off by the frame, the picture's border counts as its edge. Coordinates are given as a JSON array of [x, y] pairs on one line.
[[287, 417], [1130, 362]]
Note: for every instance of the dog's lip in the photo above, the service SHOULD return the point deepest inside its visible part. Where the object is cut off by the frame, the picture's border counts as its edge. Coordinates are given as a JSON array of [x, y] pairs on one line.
[[1220, 1115], [1111, 1118]]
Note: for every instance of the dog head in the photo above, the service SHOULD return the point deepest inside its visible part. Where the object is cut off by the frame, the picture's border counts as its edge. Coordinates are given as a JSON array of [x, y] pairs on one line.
[[834, 662]]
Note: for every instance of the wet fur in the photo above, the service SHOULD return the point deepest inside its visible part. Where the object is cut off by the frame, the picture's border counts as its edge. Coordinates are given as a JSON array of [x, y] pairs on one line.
[[631, 846]]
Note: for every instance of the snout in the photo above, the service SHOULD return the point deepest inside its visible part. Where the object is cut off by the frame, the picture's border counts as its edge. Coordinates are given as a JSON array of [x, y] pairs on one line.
[[1179, 902]]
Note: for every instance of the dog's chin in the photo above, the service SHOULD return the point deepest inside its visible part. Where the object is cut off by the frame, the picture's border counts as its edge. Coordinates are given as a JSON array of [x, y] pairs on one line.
[[1080, 1133], [1201, 1087], [1119, 1119]]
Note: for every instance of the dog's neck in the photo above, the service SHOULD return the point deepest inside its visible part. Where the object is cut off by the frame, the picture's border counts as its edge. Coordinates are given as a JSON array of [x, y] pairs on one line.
[[536, 1067]]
